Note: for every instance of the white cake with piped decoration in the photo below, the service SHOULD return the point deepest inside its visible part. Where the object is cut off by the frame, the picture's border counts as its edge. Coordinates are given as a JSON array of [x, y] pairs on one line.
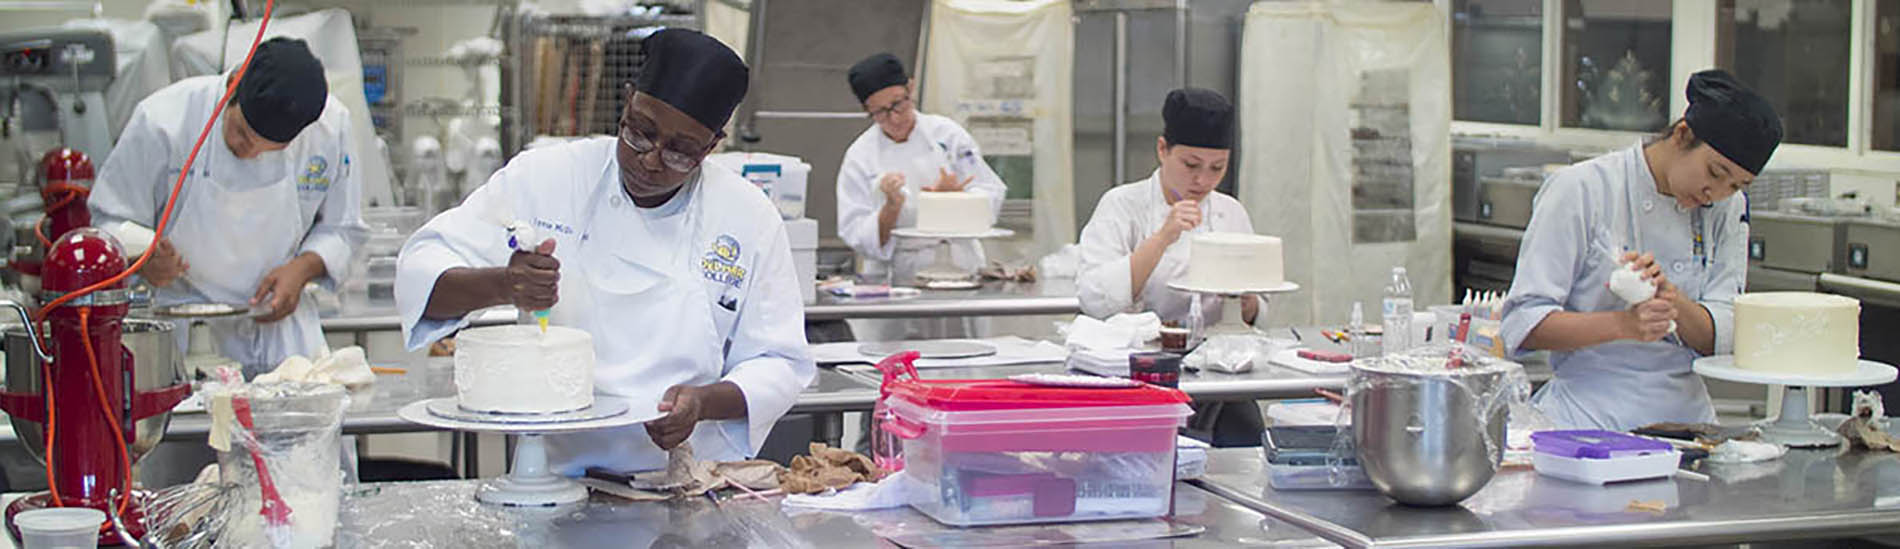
[[518, 369], [959, 212], [1802, 333], [1222, 261]]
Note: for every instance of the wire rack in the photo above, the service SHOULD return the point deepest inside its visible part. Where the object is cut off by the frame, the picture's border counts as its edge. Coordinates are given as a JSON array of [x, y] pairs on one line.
[[564, 73]]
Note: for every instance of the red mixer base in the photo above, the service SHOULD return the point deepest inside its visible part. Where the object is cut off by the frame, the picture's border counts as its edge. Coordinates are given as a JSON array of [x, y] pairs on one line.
[[134, 515]]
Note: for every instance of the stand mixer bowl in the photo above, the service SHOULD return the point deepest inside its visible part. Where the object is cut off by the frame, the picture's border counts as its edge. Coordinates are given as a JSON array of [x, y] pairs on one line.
[[156, 364]]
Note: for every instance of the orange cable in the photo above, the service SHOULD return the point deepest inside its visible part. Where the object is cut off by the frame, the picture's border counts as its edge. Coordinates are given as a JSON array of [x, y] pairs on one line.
[[99, 390]]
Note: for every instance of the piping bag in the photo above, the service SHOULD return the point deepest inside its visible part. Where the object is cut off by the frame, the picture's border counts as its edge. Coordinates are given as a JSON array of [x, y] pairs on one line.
[[1629, 285], [522, 237]]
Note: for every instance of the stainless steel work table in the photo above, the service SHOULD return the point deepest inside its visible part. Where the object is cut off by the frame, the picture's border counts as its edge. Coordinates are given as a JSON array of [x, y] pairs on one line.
[[445, 514], [1263, 382], [1808, 494], [1048, 297]]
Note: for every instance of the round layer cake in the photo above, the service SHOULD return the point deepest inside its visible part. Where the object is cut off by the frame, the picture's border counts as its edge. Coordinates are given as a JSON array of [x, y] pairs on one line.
[[1237, 261], [957, 212], [1801, 333], [517, 369]]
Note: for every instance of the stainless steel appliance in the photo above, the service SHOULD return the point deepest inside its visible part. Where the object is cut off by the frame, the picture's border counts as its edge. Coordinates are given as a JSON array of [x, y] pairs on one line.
[[1506, 200], [1474, 158], [1870, 248], [1795, 242]]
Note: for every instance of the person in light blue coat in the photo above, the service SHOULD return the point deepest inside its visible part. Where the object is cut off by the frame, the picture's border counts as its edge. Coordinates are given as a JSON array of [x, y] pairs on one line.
[[1672, 209]]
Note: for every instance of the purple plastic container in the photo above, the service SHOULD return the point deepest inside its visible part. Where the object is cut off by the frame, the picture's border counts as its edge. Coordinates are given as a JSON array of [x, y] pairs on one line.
[[1595, 444]]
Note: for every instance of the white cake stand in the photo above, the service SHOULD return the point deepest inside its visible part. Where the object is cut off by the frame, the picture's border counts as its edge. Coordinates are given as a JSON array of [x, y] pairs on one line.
[[943, 274], [1794, 428], [1230, 322], [528, 483]]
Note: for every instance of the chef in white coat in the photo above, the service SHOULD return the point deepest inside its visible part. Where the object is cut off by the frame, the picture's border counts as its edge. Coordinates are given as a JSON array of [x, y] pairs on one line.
[[902, 154], [681, 271], [1137, 240], [271, 203], [1673, 208]]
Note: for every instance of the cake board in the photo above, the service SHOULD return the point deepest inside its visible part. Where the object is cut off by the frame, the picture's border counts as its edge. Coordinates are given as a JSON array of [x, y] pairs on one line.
[[1793, 427], [529, 482], [1230, 322], [943, 274]]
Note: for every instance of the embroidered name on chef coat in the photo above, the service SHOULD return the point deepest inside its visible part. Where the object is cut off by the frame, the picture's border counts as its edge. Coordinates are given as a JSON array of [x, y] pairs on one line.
[[721, 263], [315, 176]]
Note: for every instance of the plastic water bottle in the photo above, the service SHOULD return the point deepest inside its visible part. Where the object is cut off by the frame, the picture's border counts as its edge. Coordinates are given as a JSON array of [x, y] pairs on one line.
[[1398, 313], [1360, 348]]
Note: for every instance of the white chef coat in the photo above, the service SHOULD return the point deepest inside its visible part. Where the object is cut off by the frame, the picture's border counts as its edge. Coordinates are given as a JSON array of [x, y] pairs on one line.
[[1585, 214], [936, 143], [236, 218], [699, 290], [1126, 216]]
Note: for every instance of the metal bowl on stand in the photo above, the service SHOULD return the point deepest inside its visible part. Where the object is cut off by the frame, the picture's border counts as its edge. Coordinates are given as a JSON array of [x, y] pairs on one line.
[[156, 364], [1429, 434]]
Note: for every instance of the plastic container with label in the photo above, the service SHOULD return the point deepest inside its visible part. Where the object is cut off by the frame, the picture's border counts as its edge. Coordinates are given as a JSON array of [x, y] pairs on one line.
[[1006, 452]]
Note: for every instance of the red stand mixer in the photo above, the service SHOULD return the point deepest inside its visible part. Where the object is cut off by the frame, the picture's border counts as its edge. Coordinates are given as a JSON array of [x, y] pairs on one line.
[[81, 399]]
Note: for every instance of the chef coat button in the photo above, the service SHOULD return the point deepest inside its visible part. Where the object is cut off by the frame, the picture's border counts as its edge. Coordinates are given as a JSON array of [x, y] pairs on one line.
[[1680, 266], [616, 201], [1648, 205]]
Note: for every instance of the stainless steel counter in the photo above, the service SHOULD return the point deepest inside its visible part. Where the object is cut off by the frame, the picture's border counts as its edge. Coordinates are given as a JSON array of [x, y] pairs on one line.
[[1050, 297], [1809, 494], [444, 514], [1263, 382]]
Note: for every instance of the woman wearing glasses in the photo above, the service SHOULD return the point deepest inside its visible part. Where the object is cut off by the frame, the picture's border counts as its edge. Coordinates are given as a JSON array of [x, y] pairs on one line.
[[904, 153], [682, 274]]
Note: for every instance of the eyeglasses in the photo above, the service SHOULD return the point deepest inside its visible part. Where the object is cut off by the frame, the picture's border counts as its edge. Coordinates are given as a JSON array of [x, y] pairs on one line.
[[893, 109], [670, 156]]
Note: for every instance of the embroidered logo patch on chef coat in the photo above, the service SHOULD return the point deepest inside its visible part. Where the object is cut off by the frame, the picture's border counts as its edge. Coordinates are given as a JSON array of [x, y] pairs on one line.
[[721, 263], [315, 176]]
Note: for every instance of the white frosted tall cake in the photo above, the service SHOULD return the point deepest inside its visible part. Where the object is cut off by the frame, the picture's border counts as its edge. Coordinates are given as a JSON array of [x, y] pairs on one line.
[[517, 369], [1234, 261], [953, 212], [1801, 333]]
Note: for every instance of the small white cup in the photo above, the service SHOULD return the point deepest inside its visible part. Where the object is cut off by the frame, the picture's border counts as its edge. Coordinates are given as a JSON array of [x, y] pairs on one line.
[[60, 528]]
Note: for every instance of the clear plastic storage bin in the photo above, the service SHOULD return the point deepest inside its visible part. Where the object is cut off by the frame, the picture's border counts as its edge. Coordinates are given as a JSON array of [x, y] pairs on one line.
[[1003, 452]]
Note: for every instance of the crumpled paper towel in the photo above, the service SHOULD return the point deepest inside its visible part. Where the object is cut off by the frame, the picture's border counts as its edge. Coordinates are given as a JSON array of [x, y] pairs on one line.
[[895, 490], [1867, 428], [687, 476], [1122, 331], [826, 469]]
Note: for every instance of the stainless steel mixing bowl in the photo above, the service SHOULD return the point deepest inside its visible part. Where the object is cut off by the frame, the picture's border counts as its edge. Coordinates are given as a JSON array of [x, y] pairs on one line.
[[1430, 437]]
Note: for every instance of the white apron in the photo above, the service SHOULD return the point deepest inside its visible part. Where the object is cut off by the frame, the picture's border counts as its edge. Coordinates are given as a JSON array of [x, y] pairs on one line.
[[236, 220], [648, 311]]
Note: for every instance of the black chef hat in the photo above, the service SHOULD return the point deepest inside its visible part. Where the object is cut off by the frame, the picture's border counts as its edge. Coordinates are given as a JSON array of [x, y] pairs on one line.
[[283, 91], [1198, 117], [695, 74], [875, 73], [1733, 119]]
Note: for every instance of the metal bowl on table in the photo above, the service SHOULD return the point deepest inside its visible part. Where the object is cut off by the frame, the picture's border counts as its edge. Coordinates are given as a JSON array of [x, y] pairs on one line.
[[1428, 434]]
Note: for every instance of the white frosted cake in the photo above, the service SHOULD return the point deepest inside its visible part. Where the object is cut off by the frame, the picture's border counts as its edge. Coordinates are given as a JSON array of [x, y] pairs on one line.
[[1234, 261], [1797, 333], [953, 212], [516, 369]]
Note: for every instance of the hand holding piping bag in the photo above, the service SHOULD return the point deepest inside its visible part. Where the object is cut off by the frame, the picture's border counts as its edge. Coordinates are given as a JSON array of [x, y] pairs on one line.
[[522, 238]]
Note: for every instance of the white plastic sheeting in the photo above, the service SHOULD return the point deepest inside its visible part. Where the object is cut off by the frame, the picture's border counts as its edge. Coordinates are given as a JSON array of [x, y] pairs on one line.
[[1344, 99], [332, 39], [991, 64], [144, 66]]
